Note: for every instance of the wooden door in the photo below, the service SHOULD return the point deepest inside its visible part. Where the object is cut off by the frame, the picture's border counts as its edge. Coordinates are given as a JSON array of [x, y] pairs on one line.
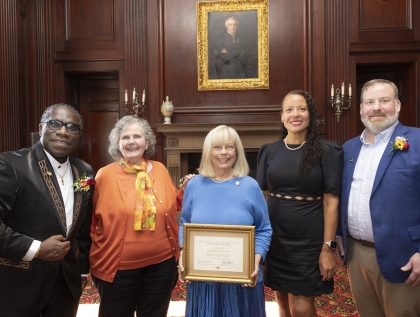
[[99, 104], [403, 75]]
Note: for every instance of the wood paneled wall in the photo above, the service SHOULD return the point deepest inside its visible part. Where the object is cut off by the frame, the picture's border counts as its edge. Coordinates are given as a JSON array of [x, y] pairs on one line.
[[289, 48], [9, 100], [50, 47]]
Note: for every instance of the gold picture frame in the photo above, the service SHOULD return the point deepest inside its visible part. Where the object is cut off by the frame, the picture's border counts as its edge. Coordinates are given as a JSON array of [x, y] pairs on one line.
[[252, 17], [218, 253]]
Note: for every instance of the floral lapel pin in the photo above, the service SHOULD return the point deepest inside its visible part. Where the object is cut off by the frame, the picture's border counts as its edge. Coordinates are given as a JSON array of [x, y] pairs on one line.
[[83, 183], [400, 144]]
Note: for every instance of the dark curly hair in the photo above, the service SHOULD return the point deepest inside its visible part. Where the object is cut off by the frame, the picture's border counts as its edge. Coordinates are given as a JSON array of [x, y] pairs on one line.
[[313, 148]]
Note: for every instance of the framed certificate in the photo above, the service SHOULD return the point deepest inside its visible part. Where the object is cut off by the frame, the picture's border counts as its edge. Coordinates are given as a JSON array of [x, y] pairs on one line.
[[218, 253]]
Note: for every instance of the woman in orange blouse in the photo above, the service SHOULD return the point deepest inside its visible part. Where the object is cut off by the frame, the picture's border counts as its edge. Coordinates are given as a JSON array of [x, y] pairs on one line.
[[134, 232]]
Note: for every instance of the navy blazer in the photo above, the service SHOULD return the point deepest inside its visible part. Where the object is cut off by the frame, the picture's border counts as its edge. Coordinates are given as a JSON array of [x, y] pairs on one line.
[[32, 207], [394, 202]]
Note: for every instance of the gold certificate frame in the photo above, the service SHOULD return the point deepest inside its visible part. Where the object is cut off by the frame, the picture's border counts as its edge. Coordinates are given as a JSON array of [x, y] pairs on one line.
[[251, 37], [218, 253]]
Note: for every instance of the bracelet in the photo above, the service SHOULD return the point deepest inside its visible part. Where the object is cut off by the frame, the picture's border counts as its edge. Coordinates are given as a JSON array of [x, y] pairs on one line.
[[181, 247], [37, 252]]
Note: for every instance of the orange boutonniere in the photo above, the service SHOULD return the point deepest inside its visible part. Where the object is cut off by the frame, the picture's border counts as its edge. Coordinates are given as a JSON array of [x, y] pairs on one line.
[[400, 144], [83, 183]]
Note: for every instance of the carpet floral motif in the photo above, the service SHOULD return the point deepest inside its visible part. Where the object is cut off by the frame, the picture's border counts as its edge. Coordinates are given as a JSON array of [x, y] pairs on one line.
[[340, 303]]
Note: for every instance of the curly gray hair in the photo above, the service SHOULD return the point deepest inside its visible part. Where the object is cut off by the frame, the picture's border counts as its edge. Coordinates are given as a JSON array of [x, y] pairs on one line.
[[115, 135]]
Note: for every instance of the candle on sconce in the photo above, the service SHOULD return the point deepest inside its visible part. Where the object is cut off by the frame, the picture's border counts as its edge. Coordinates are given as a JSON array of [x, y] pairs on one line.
[[349, 90], [126, 96], [143, 96], [342, 88], [134, 93], [332, 91]]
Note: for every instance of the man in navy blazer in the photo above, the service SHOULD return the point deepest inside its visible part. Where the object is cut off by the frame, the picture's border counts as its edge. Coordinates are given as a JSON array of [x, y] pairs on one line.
[[45, 223], [380, 208]]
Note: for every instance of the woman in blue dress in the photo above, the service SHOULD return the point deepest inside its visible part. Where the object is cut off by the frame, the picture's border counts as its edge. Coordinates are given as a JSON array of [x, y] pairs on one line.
[[222, 193]]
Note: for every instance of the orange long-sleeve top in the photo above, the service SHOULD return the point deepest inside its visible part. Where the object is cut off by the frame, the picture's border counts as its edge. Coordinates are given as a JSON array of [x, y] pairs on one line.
[[115, 243]]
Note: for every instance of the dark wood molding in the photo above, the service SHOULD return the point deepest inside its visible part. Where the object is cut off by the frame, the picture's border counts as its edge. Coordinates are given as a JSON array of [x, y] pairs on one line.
[[388, 47], [248, 109], [9, 94], [337, 65], [136, 49], [97, 55], [46, 85]]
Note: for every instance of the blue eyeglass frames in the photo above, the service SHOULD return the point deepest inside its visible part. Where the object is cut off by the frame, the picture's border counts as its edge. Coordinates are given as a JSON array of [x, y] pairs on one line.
[[57, 124]]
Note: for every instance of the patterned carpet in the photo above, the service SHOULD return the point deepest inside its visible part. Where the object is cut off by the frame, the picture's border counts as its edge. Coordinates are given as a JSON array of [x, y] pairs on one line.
[[340, 303]]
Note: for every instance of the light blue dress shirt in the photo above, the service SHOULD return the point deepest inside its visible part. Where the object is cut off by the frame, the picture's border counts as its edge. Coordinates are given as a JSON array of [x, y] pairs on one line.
[[359, 219]]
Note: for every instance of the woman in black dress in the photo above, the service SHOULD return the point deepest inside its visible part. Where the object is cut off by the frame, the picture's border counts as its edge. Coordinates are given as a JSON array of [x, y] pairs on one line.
[[301, 178]]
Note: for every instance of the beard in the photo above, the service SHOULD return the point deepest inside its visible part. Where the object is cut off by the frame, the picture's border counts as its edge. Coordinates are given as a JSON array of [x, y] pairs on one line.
[[378, 127]]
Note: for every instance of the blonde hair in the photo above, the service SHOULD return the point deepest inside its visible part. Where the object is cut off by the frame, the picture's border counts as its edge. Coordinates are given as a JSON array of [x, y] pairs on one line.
[[223, 134]]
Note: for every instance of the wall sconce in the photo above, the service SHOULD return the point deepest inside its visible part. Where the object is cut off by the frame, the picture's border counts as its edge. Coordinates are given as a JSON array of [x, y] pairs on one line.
[[340, 100], [137, 108]]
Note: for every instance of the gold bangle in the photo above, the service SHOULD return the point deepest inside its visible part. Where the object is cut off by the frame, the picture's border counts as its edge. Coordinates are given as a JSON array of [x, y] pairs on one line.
[[37, 252]]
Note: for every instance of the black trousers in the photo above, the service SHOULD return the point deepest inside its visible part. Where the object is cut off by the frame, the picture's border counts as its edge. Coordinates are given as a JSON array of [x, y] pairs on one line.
[[61, 302], [146, 291]]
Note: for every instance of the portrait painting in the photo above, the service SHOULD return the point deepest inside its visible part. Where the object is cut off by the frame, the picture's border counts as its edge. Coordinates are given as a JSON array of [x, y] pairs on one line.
[[232, 45]]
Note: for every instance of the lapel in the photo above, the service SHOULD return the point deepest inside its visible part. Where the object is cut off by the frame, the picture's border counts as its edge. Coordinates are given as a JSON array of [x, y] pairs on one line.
[[353, 156], [400, 130], [53, 189], [78, 196], [51, 185]]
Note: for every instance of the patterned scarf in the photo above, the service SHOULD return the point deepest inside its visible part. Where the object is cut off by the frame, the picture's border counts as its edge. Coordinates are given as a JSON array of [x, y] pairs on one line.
[[145, 208]]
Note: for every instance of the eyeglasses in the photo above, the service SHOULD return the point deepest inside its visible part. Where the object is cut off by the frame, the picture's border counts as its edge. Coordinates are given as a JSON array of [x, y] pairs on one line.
[[57, 124]]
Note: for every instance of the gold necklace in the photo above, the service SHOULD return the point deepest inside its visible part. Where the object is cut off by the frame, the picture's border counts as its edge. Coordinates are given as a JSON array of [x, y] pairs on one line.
[[62, 176], [292, 149]]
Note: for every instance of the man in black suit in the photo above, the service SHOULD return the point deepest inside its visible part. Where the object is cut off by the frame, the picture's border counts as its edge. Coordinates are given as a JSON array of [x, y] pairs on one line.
[[45, 221]]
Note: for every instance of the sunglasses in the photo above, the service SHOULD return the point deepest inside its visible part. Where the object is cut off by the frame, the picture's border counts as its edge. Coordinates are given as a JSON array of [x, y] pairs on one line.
[[57, 125]]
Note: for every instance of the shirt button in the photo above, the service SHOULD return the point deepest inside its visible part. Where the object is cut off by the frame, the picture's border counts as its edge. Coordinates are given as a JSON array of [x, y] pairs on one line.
[[170, 238], [167, 227]]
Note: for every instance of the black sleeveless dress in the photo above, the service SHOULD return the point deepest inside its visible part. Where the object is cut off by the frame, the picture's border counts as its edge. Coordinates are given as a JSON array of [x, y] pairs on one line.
[[291, 265]]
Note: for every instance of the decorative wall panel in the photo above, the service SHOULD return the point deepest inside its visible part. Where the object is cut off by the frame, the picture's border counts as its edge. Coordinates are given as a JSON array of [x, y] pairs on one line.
[[9, 122]]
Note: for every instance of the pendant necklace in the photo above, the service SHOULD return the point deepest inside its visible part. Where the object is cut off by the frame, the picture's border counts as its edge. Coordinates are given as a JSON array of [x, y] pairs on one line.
[[220, 182], [62, 176], [292, 149]]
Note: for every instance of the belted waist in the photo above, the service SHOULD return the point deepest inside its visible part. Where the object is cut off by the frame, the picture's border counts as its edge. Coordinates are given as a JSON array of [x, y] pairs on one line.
[[364, 242]]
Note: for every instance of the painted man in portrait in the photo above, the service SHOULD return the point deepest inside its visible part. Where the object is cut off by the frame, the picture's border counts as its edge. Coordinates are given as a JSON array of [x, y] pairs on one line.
[[231, 53]]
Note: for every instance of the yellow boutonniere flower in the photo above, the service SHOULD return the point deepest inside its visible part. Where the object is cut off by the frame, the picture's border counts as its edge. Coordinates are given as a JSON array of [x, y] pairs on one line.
[[400, 144]]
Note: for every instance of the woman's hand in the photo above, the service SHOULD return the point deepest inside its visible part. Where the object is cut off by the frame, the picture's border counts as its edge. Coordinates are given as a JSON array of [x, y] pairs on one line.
[[181, 270], [184, 181], [327, 263], [254, 275]]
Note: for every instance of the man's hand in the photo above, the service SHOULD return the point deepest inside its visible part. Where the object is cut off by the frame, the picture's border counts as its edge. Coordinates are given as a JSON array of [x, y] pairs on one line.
[[54, 248], [413, 265]]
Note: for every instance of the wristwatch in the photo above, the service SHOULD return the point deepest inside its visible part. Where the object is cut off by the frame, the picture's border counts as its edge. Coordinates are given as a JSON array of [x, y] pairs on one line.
[[332, 244]]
